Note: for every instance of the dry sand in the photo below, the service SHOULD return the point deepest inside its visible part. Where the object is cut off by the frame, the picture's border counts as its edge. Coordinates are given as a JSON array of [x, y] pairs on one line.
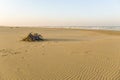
[[67, 54]]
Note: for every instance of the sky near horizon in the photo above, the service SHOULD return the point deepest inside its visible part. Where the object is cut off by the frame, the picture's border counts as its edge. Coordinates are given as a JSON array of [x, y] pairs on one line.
[[59, 12]]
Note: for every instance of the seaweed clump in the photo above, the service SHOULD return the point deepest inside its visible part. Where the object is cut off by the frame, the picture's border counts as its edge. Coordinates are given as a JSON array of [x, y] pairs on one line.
[[33, 37]]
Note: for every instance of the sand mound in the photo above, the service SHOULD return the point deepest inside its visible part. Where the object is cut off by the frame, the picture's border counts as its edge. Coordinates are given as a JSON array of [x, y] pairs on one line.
[[33, 37]]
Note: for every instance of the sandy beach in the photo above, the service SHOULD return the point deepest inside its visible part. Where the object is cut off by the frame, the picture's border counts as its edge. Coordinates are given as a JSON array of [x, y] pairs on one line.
[[66, 54]]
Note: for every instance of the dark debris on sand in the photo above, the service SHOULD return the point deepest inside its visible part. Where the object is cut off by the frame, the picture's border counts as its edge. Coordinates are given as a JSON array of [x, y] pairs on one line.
[[33, 37]]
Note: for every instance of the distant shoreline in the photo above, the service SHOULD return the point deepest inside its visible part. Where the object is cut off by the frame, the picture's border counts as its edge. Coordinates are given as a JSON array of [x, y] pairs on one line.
[[103, 28]]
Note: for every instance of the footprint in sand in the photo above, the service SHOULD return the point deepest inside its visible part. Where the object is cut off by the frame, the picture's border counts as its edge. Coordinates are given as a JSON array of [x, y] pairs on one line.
[[22, 57], [26, 50], [88, 52], [6, 52], [43, 54]]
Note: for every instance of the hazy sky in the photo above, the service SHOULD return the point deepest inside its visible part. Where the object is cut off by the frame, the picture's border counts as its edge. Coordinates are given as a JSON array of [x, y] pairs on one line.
[[60, 12]]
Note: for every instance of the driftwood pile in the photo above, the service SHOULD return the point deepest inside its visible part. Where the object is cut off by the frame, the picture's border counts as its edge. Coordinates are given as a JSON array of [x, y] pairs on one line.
[[33, 37]]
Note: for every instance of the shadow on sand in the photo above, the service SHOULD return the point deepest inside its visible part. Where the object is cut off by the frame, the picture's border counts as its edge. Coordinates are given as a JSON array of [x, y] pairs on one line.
[[59, 40]]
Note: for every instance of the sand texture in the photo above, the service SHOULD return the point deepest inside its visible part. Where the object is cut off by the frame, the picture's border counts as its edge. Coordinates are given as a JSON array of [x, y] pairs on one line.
[[66, 54]]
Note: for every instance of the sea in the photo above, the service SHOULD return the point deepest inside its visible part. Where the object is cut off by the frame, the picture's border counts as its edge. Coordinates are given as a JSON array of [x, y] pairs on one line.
[[114, 28]]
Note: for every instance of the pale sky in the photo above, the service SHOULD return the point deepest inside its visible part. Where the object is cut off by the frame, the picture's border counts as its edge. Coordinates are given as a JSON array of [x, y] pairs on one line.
[[59, 12]]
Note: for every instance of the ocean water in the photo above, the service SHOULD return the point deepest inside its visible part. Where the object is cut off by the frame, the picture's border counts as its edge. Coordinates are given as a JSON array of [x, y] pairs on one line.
[[115, 28]]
